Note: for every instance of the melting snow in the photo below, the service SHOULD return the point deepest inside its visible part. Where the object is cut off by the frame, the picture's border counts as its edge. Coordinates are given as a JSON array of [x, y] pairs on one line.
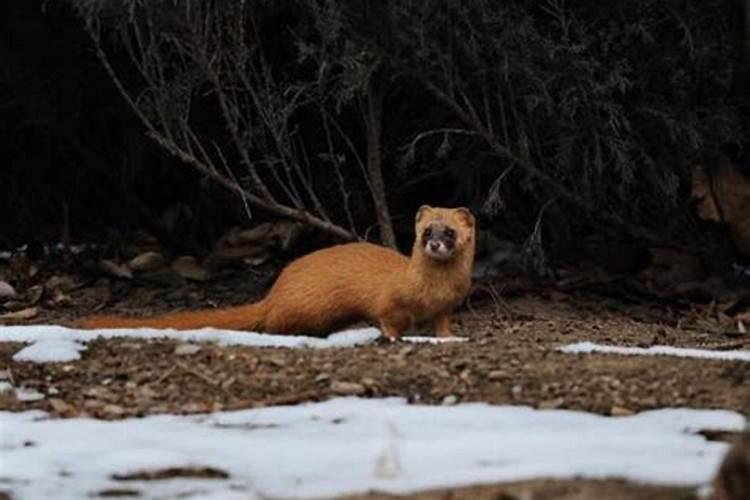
[[57, 343], [658, 350], [351, 445]]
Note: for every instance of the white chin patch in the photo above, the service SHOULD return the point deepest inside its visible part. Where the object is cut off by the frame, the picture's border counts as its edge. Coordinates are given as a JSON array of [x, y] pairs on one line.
[[440, 252]]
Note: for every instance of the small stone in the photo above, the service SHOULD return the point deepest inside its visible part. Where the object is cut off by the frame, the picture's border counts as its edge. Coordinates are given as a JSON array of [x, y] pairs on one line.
[[369, 383], [620, 411], [516, 391], [4, 375], [53, 391], [113, 410], [649, 401], [347, 388], [323, 377], [186, 349], [450, 400], [60, 406], [193, 408], [551, 404], [498, 375], [277, 361], [6, 291], [99, 393], [147, 393], [187, 267], [147, 261]]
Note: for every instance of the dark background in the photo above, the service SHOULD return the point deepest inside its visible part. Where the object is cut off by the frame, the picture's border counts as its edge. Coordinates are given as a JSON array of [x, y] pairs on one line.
[[613, 107]]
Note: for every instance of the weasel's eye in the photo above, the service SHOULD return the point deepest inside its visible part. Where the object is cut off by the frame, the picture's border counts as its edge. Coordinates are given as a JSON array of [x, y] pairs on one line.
[[427, 232], [449, 233]]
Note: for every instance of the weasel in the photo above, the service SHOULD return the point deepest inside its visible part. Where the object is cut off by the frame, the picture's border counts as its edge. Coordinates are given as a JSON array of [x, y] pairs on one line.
[[335, 287]]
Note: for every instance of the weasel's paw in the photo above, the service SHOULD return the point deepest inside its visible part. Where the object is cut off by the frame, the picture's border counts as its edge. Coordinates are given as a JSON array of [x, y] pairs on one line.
[[385, 340]]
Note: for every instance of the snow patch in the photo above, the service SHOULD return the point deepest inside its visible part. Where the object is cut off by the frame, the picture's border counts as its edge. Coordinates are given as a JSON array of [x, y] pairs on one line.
[[57, 343], [45, 351], [24, 394], [657, 350], [349, 445]]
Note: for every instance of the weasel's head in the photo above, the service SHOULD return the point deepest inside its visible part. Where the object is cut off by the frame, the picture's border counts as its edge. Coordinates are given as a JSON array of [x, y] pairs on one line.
[[444, 233]]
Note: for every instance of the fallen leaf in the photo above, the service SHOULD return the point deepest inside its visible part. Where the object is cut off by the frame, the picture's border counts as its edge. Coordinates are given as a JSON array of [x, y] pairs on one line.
[[620, 411], [113, 269], [187, 267], [147, 261], [551, 404], [27, 313]]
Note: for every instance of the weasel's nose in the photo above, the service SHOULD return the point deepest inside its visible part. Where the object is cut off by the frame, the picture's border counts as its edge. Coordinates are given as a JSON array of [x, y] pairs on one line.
[[434, 245]]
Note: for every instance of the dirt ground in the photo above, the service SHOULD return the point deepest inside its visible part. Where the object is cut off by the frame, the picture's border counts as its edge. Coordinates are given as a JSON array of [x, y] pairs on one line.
[[510, 358]]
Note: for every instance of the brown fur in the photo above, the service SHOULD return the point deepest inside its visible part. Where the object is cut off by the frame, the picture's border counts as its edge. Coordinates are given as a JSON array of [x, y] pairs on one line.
[[337, 286], [733, 479]]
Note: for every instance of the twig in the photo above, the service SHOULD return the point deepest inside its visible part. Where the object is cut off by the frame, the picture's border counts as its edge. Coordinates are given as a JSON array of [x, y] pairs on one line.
[[166, 374], [200, 375]]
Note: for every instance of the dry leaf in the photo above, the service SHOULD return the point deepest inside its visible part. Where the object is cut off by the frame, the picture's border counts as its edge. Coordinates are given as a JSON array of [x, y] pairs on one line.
[[188, 268], [114, 269], [27, 313], [147, 261]]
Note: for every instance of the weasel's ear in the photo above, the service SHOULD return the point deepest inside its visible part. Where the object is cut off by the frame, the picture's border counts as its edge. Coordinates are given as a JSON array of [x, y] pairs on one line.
[[422, 211], [465, 215]]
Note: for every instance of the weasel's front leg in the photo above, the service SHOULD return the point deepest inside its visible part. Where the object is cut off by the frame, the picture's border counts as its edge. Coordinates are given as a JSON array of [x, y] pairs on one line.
[[395, 324], [443, 326]]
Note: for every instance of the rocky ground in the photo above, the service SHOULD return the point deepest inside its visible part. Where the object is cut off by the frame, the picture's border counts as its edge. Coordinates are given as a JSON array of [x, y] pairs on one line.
[[510, 358]]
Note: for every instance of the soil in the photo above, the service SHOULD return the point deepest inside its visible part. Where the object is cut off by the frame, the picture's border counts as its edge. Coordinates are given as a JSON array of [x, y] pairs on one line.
[[510, 358]]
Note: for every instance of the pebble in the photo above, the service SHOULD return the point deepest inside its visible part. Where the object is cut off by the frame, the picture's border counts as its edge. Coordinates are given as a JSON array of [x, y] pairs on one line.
[[551, 404], [497, 375], [60, 406], [347, 388], [113, 410], [187, 349], [277, 361], [450, 400], [6, 291], [99, 393]]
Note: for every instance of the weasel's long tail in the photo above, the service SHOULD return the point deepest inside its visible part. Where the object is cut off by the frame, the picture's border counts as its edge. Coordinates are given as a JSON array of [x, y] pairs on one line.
[[245, 317]]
